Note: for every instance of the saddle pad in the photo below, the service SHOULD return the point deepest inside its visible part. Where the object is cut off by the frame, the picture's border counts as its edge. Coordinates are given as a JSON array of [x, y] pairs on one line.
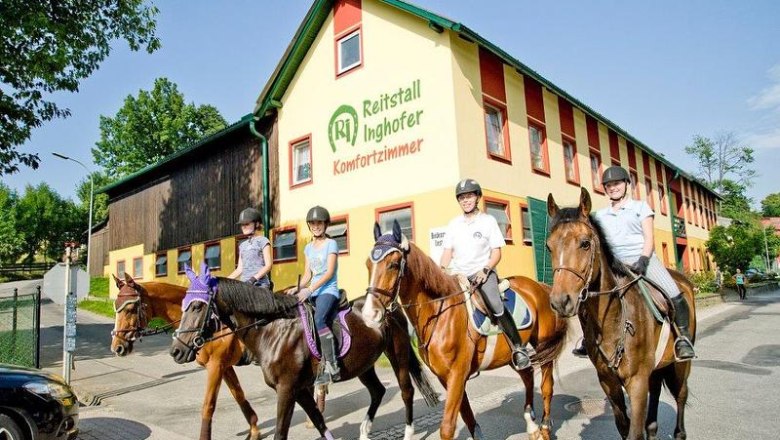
[[512, 302], [340, 330], [650, 303]]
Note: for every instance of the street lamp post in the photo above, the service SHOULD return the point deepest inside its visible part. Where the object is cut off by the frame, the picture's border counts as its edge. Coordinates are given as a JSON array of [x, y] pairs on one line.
[[766, 249], [91, 201]]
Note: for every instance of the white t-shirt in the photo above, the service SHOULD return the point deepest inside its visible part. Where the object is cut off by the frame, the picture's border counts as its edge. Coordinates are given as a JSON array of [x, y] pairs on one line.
[[623, 228], [471, 241]]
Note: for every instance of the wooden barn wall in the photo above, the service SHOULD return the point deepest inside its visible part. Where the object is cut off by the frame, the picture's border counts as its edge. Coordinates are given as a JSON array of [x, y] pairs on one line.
[[199, 199], [99, 257]]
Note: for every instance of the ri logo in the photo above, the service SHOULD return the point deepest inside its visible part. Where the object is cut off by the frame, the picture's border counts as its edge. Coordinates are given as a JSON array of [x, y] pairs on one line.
[[343, 126]]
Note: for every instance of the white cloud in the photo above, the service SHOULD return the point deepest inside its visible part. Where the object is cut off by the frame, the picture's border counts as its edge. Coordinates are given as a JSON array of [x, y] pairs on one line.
[[768, 98], [765, 130], [765, 139]]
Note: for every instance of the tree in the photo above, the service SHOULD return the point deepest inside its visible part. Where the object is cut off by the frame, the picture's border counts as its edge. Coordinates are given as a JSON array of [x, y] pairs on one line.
[[46, 221], [150, 127], [722, 159], [735, 246], [770, 206], [100, 203], [11, 240], [735, 203], [48, 47]]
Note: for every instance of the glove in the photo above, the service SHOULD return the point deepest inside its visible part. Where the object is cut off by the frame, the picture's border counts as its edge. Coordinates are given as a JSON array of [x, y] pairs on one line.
[[481, 276], [251, 281], [303, 294], [640, 267]]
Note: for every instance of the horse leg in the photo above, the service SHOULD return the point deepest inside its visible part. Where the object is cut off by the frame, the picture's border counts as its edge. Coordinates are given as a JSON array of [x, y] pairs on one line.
[[455, 387], [677, 382], [531, 428], [285, 403], [467, 414], [319, 395], [398, 356], [306, 400], [231, 380], [651, 424], [637, 388], [612, 388], [547, 393], [375, 388], [214, 373]]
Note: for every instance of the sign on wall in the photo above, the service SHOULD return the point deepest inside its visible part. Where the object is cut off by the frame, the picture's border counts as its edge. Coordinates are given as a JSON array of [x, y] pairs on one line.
[[436, 236]]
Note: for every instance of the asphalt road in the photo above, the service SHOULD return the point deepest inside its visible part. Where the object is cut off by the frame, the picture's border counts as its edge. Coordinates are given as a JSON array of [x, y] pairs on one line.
[[734, 389]]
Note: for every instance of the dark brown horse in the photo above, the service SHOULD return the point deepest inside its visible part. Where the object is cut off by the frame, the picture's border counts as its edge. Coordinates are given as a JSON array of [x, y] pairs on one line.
[[407, 279], [628, 346], [269, 325], [137, 303]]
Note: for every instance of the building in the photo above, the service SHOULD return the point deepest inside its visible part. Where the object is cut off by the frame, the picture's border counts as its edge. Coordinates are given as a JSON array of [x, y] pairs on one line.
[[376, 110]]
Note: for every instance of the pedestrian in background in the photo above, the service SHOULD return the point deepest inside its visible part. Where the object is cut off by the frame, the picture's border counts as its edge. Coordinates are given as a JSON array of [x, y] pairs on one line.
[[739, 280]]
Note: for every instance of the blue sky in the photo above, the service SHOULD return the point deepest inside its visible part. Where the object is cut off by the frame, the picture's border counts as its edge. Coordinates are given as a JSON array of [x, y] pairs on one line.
[[662, 70]]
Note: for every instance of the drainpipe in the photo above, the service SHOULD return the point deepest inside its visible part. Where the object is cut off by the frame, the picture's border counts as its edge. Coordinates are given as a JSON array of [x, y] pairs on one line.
[[266, 189], [673, 215]]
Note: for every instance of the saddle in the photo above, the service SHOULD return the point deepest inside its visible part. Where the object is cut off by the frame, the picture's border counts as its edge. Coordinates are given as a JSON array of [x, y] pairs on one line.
[[339, 327], [655, 298], [481, 318]]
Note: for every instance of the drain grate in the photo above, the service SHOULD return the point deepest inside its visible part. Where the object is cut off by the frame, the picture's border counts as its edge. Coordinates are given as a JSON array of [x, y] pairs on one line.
[[589, 407]]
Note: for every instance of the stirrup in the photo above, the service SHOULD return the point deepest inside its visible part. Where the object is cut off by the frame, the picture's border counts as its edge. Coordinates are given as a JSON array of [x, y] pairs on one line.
[[333, 370], [324, 378], [684, 340], [520, 359]]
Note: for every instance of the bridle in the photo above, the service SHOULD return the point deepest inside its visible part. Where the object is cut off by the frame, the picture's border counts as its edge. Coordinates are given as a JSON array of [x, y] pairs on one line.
[[205, 331], [393, 293], [141, 321]]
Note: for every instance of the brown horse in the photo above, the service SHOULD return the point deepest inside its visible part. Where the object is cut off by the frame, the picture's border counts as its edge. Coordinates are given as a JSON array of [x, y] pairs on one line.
[[407, 279], [629, 348], [270, 326], [138, 302]]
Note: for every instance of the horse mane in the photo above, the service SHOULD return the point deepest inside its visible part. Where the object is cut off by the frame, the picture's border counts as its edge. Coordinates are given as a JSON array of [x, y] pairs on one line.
[[242, 297], [432, 278], [572, 215]]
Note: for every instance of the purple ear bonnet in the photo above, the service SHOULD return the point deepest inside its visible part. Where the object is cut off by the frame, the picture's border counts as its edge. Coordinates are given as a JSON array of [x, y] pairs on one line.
[[384, 245], [201, 286]]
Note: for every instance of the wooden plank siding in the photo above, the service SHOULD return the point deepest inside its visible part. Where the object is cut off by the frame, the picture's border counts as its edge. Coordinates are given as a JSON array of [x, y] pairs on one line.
[[99, 248]]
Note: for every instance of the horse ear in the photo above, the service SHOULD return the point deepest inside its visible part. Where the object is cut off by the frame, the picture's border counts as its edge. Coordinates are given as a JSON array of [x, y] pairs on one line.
[[585, 204], [377, 231], [552, 207], [204, 269], [129, 279], [119, 283], [190, 274], [397, 235]]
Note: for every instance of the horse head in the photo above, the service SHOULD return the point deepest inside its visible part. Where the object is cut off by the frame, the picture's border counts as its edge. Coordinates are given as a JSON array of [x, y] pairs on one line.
[[130, 315], [199, 317], [386, 266], [573, 243]]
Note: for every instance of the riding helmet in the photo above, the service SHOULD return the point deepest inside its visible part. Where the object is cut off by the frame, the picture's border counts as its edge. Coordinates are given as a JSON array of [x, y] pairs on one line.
[[466, 186], [249, 215], [615, 174], [318, 213]]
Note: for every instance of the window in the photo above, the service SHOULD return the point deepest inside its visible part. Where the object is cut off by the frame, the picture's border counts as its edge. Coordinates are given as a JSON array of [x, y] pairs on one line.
[[666, 254], [120, 269], [161, 265], [634, 185], [570, 161], [284, 244], [595, 172], [300, 162], [500, 211], [538, 141], [138, 267], [213, 256], [496, 133], [649, 193], [402, 213], [337, 230], [349, 52], [662, 198], [525, 218], [185, 257]]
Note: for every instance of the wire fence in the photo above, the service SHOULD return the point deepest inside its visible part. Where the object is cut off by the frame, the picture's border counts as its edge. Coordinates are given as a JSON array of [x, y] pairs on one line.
[[20, 328]]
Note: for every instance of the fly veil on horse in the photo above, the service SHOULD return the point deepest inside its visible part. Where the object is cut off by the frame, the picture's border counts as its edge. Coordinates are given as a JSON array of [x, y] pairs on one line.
[[273, 328], [137, 303], [404, 279], [626, 337]]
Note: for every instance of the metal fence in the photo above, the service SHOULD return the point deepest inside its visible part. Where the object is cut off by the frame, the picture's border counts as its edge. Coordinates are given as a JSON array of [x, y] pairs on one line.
[[20, 329]]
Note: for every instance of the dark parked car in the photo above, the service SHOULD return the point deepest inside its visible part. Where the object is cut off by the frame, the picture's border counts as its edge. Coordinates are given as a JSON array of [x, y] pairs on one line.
[[35, 405]]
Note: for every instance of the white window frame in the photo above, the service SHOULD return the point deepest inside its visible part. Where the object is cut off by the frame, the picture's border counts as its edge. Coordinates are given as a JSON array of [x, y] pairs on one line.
[[503, 207], [499, 142], [295, 165], [340, 41]]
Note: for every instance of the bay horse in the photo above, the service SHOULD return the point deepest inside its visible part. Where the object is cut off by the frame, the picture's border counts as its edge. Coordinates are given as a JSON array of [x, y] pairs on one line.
[[406, 279], [621, 334], [271, 327], [137, 303]]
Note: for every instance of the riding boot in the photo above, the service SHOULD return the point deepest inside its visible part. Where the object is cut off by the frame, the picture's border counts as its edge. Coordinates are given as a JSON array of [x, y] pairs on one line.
[[580, 350], [520, 358], [329, 369], [683, 346]]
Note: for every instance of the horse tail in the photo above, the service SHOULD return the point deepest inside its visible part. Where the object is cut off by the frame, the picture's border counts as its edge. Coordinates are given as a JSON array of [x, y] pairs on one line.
[[420, 379], [550, 349]]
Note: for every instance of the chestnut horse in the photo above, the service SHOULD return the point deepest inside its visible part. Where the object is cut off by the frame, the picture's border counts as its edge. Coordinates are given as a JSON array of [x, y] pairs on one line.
[[138, 302], [270, 326], [405, 278], [628, 346]]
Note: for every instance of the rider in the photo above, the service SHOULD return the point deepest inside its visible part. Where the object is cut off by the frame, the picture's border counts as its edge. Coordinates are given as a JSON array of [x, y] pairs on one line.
[[322, 271], [254, 253], [628, 228], [473, 243]]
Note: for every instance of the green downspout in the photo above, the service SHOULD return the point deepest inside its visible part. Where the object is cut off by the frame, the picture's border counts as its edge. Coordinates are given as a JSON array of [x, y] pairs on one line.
[[266, 189], [673, 215]]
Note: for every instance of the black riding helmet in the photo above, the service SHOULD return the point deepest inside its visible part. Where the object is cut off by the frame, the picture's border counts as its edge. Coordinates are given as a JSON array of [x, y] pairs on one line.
[[318, 213], [249, 215], [466, 186], [615, 174]]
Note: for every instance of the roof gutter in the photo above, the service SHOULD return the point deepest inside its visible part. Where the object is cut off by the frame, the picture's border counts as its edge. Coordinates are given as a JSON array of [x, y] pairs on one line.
[[265, 171]]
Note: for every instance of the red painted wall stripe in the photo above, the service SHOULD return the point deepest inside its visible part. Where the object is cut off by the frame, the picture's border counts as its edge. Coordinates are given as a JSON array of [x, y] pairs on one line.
[[646, 163], [614, 147], [658, 172], [631, 155], [534, 100], [567, 116], [346, 14], [593, 132], [491, 72]]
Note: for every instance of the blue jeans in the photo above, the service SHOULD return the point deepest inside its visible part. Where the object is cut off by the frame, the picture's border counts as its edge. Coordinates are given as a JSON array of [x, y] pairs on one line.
[[325, 309]]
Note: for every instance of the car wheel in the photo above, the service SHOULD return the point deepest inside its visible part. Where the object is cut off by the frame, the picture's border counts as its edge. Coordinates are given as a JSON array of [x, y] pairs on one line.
[[9, 429]]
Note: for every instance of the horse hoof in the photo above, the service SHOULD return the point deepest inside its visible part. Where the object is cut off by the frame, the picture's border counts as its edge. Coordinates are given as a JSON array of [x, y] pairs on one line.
[[255, 436], [536, 435], [546, 433], [309, 424]]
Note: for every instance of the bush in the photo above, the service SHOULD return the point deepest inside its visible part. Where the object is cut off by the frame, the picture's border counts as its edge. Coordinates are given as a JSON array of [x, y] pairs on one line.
[[703, 282]]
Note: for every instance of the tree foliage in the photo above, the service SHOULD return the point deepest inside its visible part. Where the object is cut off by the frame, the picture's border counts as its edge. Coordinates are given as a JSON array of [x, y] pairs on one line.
[[770, 206], [735, 203], [734, 246], [150, 127], [46, 221], [721, 159], [50, 46], [100, 203], [11, 239]]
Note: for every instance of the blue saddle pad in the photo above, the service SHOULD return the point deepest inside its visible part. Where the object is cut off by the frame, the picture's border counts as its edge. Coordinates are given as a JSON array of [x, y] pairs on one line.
[[512, 302]]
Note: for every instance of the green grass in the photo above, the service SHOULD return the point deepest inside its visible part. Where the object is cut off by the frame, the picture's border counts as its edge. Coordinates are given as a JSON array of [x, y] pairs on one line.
[[98, 287], [103, 307]]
